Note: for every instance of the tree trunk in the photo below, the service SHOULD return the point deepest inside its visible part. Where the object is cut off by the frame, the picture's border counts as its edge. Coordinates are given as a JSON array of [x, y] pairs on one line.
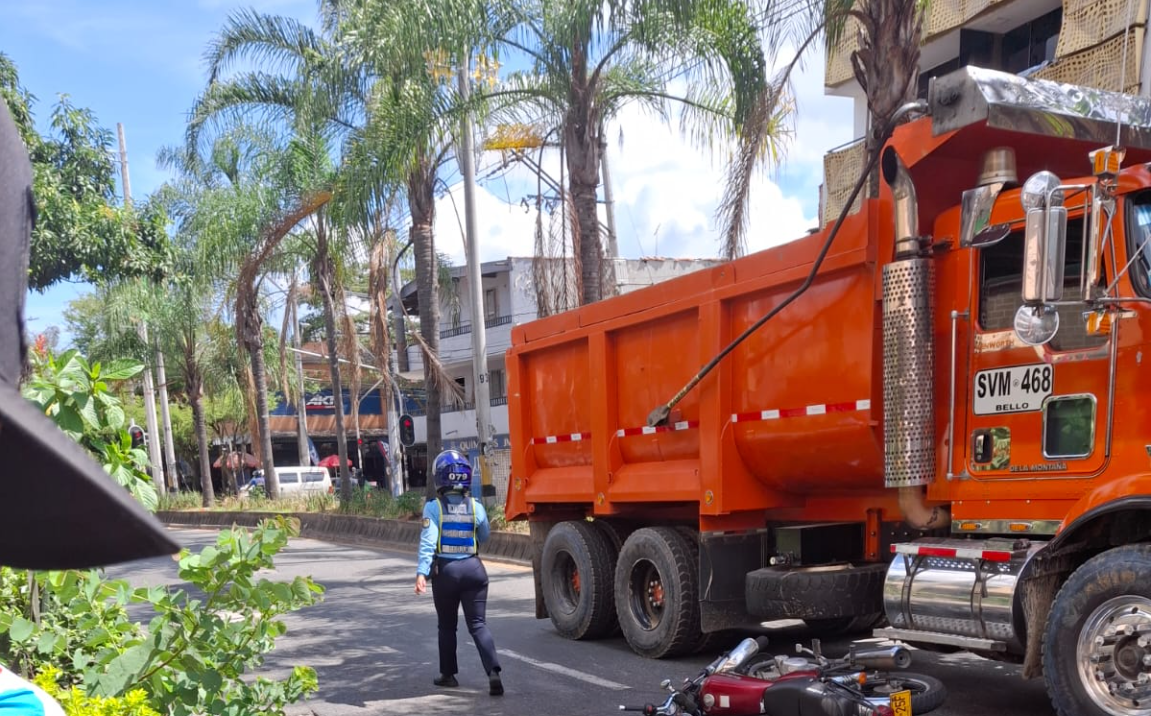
[[195, 397], [421, 203], [582, 147], [324, 270], [255, 345]]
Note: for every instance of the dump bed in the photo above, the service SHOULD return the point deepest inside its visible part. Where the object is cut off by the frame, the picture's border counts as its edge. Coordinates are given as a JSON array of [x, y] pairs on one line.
[[790, 412]]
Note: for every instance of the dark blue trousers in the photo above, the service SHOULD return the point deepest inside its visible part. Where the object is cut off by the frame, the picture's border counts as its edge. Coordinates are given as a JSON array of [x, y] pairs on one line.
[[463, 581]]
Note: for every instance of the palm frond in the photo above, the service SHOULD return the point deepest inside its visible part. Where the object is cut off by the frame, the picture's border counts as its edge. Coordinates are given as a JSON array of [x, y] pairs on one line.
[[265, 39]]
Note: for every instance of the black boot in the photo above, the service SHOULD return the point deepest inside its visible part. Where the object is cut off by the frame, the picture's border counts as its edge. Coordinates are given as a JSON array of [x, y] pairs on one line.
[[446, 680], [496, 686]]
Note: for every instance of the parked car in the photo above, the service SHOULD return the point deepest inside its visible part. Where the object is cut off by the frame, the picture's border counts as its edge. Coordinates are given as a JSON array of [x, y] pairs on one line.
[[293, 479]]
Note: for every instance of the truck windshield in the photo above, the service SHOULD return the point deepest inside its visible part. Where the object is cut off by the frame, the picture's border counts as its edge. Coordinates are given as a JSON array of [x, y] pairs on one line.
[[1139, 241]]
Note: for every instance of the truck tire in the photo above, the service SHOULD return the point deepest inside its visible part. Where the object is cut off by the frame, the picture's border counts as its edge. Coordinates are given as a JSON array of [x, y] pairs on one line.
[[816, 593], [576, 569], [1109, 594], [656, 596], [704, 641], [616, 532]]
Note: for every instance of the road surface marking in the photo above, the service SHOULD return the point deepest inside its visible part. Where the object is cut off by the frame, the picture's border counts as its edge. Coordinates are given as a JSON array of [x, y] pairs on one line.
[[556, 668]]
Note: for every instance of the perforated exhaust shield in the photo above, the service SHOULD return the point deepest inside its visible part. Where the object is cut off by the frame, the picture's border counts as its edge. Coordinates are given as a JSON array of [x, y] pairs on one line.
[[908, 370]]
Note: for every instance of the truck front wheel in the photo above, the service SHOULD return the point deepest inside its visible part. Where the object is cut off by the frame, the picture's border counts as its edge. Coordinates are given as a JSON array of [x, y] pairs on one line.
[[1097, 644], [655, 592], [576, 571]]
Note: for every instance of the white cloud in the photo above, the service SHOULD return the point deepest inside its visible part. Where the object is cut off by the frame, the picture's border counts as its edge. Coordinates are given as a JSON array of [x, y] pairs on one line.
[[666, 190]]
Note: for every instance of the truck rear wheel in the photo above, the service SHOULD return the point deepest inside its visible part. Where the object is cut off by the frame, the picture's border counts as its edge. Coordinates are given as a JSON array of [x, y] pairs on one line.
[[657, 599], [1097, 644], [577, 571]]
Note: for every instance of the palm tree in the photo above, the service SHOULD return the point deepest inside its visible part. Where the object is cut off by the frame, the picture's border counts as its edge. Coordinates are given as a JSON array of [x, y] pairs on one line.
[[589, 59], [310, 98], [405, 144]]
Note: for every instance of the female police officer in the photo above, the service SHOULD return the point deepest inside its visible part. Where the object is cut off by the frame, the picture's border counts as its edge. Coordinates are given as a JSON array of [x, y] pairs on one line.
[[454, 525]]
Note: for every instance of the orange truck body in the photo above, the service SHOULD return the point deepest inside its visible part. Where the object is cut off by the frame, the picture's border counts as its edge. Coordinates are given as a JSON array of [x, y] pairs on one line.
[[788, 430]]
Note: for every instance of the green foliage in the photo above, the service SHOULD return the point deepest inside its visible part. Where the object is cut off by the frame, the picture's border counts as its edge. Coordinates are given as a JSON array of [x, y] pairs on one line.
[[80, 231], [76, 703], [411, 503], [179, 501], [193, 655], [77, 397]]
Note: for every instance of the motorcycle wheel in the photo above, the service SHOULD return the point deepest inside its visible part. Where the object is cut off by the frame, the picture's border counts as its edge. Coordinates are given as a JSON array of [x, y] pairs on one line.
[[927, 692]]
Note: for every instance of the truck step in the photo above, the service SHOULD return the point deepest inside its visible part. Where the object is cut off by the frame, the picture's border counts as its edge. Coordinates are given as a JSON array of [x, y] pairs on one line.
[[933, 637]]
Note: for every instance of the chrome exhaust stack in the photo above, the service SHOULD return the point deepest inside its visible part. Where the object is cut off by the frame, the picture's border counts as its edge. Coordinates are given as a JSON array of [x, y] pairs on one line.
[[909, 358]]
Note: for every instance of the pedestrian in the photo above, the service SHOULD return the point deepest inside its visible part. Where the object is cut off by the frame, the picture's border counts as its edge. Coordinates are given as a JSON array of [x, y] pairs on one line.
[[454, 525], [73, 515]]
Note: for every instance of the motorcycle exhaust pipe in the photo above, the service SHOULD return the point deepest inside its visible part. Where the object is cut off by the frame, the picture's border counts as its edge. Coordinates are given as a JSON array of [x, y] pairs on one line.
[[887, 658]]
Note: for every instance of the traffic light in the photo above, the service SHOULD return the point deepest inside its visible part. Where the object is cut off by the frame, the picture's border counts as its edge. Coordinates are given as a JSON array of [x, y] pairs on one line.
[[138, 437], [407, 431]]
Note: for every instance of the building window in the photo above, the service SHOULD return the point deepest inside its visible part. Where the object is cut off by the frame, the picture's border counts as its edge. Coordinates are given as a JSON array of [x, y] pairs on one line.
[[491, 308], [1032, 43], [496, 387], [1001, 288]]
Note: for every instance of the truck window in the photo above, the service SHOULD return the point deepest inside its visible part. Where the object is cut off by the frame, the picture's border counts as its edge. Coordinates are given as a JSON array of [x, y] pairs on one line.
[[288, 477], [1069, 426], [1001, 285], [1139, 241], [315, 476]]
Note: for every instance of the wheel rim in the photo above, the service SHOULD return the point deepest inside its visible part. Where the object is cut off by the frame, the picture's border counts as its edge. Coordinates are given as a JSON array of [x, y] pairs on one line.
[[567, 582], [1114, 656], [647, 594]]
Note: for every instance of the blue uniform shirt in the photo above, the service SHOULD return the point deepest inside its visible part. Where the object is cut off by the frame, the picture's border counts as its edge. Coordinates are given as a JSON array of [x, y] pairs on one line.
[[430, 536]]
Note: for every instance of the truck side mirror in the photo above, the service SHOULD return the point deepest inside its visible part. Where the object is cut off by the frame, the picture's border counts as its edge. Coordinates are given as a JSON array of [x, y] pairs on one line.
[[1044, 248]]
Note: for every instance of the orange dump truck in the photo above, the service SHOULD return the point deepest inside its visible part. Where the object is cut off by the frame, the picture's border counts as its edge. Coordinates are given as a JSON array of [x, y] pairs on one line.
[[945, 439]]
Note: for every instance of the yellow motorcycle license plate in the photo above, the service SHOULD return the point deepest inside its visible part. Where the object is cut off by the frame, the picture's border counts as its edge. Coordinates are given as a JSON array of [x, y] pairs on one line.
[[901, 703]]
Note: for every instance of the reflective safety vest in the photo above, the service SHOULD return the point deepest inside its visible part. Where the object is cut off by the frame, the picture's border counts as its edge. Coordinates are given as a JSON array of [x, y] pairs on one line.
[[457, 528]]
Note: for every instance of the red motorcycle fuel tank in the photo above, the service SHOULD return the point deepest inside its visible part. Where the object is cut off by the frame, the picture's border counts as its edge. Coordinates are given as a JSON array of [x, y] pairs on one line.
[[738, 695]]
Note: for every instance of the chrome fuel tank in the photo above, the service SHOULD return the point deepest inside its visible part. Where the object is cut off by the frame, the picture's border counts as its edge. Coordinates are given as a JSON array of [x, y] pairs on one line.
[[962, 588]]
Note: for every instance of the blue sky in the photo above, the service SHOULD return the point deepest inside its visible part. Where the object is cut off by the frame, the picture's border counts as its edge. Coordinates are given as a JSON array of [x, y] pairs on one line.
[[141, 63]]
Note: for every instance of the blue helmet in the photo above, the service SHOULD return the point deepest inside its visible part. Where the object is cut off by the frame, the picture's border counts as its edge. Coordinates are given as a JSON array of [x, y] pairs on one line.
[[452, 471]]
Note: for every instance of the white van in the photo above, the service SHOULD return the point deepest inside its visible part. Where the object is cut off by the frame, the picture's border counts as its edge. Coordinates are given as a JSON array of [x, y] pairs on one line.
[[297, 478]]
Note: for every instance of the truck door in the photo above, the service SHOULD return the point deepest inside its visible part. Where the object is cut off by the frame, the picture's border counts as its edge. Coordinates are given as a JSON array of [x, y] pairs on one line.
[[1033, 411]]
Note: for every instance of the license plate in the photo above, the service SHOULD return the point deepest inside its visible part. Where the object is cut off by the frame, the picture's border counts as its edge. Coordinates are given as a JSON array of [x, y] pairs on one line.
[[1018, 389], [901, 703]]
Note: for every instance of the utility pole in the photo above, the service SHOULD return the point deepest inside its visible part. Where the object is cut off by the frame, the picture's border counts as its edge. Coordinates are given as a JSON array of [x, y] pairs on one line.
[[475, 281], [305, 454], [142, 330], [608, 275], [169, 443]]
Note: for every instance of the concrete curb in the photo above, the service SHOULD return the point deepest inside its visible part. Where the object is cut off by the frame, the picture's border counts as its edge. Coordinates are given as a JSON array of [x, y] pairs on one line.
[[365, 531]]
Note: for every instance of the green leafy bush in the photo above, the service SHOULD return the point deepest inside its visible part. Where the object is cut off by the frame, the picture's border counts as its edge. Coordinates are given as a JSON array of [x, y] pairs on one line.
[[76, 703], [76, 396], [410, 504], [192, 656]]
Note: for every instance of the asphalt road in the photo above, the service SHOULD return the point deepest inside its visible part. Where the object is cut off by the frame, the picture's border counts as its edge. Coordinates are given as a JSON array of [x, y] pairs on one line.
[[372, 642]]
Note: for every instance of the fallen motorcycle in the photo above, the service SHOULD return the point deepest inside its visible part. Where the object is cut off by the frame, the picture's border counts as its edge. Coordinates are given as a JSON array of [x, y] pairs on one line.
[[876, 672], [823, 688]]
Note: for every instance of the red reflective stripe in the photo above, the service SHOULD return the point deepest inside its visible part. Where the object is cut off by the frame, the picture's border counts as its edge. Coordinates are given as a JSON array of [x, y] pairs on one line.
[[649, 430], [818, 409], [568, 438], [989, 555]]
